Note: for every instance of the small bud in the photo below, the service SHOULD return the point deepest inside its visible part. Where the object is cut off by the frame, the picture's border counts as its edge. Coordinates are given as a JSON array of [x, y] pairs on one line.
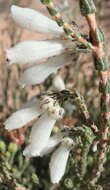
[[12, 148], [7, 155], [35, 178], [68, 183], [2, 146]]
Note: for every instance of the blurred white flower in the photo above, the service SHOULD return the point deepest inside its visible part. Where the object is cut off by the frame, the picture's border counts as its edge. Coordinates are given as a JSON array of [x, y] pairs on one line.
[[59, 157], [58, 83], [48, 110], [52, 142], [27, 113], [59, 160], [40, 134], [95, 146], [33, 51], [34, 20]]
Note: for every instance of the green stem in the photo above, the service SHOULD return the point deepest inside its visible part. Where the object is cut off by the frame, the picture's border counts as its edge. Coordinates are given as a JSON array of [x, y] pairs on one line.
[[71, 33]]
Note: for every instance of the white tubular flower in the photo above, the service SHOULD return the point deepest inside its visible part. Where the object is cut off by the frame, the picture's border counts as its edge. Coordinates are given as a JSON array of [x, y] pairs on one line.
[[41, 131], [32, 51], [34, 21], [21, 117], [58, 83], [59, 160], [40, 134], [52, 65], [52, 143], [32, 110]]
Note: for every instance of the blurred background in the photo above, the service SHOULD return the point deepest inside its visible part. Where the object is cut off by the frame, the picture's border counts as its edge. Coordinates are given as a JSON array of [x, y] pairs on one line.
[[28, 174]]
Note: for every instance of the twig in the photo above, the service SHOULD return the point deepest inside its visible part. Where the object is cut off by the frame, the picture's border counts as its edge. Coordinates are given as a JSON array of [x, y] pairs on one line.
[[101, 65], [79, 100], [72, 34]]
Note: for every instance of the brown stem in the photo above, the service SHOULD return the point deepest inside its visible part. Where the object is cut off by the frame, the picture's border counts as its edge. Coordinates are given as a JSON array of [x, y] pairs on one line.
[[103, 77]]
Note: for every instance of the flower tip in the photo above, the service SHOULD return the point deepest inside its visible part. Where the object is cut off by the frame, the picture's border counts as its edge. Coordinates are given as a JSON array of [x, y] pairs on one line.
[[13, 8], [26, 152], [23, 85], [54, 180], [8, 57], [8, 128], [35, 154], [6, 125]]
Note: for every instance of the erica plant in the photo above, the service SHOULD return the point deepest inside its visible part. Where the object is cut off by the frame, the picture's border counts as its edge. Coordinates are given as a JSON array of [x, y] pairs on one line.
[[78, 151]]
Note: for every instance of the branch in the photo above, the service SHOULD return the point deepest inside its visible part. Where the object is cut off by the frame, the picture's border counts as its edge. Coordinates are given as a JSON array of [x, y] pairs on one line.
[[101, 64]]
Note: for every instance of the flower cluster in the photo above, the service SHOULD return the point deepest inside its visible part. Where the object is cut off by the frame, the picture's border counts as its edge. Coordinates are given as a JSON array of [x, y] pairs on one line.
[[45, 110], [28, 52]]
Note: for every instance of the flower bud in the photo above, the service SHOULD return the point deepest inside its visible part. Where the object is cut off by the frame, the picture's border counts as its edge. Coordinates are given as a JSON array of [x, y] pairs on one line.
[[2, 146], [35, 178], [7, 155], [12, 148], [68, 183]]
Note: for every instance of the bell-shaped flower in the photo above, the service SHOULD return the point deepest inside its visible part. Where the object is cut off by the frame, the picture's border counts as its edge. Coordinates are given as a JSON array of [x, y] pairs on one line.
[[43, 70], [32, 51], [59, 160], [49, 111], [34, 21], [27, 113], [40, 134]]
